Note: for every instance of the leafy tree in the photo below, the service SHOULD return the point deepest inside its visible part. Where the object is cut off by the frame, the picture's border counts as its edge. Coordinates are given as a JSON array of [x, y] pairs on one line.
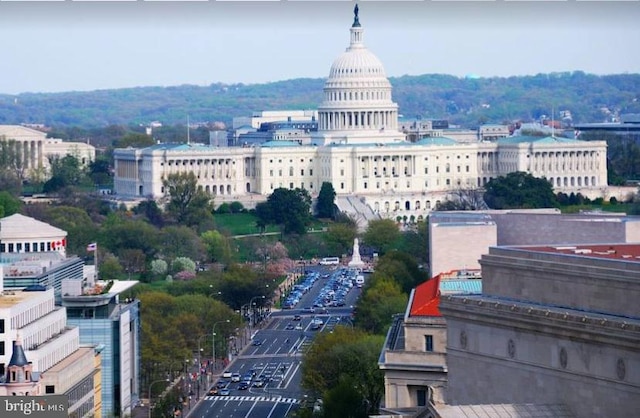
[[381, 299], [415, 242], [188, 204], [8, 204], [339, 237], [236, 207], [110, 267], [180, 241], [11, 161], [288, 208], [159, 267], [401, 268], [382, 234], [65, 171], [183, 264], [9, 182], [100, 171], [120, 233], [150, 210], [346, 356], [325, 208], [224, 208], [132, 259], [217, 246], [134, 140], [519, 190]]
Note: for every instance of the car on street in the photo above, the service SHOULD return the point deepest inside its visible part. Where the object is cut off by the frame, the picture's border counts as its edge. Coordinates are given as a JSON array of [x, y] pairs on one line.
[[297, 318], [235, 377], [213, 391], [257, 342], [222, 384], [310, 309], [258, 383], [299, 326], [224, 392], [226, 374], [243, 386], [289, 327]]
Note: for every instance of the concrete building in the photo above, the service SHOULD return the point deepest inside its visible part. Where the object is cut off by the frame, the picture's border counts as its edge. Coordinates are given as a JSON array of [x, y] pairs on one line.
[[92, 314], [413, 358], [112, 325], [457, 240], [360, 149], [555, 325], [46, 356], [32, 150]]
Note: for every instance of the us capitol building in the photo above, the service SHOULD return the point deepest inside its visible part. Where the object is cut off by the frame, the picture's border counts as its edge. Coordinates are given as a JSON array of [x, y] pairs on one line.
[[359, 148]]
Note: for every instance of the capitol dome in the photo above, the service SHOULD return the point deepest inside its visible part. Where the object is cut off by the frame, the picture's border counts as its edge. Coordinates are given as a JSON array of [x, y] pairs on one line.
[[357, 105]]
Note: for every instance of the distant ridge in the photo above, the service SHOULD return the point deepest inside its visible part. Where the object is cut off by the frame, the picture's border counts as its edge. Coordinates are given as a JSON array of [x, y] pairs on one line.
[[467, 101]]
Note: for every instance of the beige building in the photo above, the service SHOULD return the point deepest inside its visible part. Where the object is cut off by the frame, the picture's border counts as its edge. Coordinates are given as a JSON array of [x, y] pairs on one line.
[[32, 150], [361, 150], [457, 240], [40, 354], [555, 325], [413, 358]]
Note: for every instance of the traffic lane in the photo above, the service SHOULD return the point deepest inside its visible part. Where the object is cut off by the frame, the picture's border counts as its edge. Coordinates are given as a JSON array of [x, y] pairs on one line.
[[249, 407]]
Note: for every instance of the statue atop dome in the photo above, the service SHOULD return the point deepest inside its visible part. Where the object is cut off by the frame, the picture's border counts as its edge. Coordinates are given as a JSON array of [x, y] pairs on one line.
[[356, 20]]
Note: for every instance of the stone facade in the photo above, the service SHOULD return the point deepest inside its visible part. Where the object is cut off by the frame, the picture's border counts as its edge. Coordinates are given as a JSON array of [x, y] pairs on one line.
[[553, 326], [360, 149], [458, 239]]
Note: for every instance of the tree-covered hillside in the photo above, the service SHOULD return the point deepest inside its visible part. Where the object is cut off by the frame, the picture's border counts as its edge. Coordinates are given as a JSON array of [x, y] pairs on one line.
[[464, 101]]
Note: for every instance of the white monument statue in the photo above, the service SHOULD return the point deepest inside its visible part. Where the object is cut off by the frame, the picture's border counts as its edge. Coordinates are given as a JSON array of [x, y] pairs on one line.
[[356, 261]]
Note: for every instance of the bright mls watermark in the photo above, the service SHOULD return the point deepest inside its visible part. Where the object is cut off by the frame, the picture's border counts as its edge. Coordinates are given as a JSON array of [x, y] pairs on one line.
[[52, 406]]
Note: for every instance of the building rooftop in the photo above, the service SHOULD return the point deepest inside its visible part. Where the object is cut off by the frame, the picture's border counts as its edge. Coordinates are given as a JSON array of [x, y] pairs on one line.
[[10, 297], [426, 296], [537, 139], [23, 227], [504, 411], [626, 252]]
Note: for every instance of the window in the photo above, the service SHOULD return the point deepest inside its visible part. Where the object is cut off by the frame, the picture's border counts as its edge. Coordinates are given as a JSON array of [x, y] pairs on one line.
[[422, 397], [428, 343], [49, 389], [2, 348], [1, 326]]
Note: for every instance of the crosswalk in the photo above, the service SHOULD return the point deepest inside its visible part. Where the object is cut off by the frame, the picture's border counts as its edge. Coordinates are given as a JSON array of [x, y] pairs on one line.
[[278, 399]]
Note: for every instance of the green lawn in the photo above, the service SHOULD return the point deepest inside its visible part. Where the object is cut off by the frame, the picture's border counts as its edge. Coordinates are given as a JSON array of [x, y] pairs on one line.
[[618, 208], [240, 224]]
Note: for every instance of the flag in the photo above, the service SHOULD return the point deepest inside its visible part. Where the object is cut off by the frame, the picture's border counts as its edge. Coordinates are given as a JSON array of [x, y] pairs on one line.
[[92, 247]]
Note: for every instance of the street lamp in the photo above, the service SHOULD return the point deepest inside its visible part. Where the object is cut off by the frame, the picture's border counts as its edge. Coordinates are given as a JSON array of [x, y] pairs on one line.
[[251, 314], [213, 341], [150, 395]]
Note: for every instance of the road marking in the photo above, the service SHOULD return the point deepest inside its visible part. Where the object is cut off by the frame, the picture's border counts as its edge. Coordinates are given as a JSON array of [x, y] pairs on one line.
[[275, 398]]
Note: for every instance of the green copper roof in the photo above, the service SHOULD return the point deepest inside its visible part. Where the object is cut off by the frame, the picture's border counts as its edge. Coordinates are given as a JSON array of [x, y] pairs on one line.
[[536, 139], [436, 140]]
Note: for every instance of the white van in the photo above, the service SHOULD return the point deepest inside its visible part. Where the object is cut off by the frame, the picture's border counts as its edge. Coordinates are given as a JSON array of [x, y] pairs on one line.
[[359, 280]]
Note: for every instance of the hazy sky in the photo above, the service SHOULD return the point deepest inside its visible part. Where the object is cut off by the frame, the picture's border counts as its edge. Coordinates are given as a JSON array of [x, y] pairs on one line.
[[61, 46]]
